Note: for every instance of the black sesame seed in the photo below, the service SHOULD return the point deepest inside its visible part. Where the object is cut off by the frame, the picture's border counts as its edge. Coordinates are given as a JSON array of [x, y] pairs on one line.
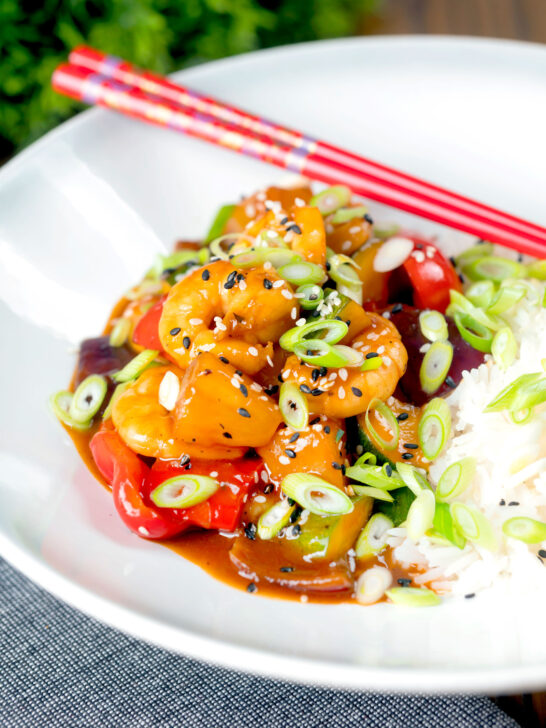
[[251, 588], [368, 218], [461, 277], [175, 331], [327, 429], [316, 392], [184, 459], [290, 453], [240, 277], [291, 502], [315, 420], [287, 569], [407, 456], [272, 390], [296, 529], [348, 322], [404, 582], [296, 513], [268, 284], [323, 371], [89, 398], [469, 596], [284, 221], [411, 446], [228, 285], [371, 355], [328, 266], [294, 437], [514, 503], [450, 382], [356, 391], [315, 374], [402, 416], [542, 553], [295, 228], [388, 470], [223, 358], [186, 341], [336, 466], [343, 469], [268, 487], [205, 275], [227, 435], [502, 502], [243, 412], [520, 257], [418, 246], [452, 261], [305, 388], [250, 531], [243, 389], [397, 308]]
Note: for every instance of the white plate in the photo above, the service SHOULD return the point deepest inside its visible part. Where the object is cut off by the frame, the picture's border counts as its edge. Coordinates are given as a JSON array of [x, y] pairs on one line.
[[82, 214]]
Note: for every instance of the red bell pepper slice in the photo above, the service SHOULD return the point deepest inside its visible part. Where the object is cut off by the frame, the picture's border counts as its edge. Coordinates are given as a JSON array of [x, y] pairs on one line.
[[146, 331], [431, 275], [222, 510], [126, 473]]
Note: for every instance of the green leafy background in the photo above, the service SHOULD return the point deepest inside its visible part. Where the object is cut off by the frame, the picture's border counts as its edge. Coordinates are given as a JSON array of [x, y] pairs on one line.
[[161, 35]]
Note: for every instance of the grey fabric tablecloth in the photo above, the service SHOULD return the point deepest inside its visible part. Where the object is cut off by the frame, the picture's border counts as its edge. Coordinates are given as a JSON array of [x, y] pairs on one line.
[[61, 669]]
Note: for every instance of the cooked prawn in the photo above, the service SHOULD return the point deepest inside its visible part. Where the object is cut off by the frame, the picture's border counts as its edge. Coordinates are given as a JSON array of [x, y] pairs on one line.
[[348, 391], [150, 429], [231, 313]]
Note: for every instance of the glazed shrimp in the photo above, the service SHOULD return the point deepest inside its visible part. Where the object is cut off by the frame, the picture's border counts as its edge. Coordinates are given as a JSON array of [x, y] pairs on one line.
[[346, 392], [149, 429], [231, 313]]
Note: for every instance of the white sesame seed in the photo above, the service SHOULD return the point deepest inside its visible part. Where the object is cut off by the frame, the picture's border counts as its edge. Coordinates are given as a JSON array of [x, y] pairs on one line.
[[260, 498], [253, 351], [346, 245], [332, 376], [143, 531], [380, 349], [278, 284], [293, 313], [341, 393], [242, 285], [430, 251], [234, 382], [299, 202], [284, 460], [268, 265], [214, 474], [418, 255], [386, 314], [387, 361], [250, 210], [301, 322], [256, 387], [287, 294], [270, 361], [343, 374], [355, 229], [196, 322], [304, 598], [264, 476], [207, 347]]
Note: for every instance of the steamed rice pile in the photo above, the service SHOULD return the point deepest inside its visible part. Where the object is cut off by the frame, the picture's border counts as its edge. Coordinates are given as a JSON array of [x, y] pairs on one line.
[[510, 476]]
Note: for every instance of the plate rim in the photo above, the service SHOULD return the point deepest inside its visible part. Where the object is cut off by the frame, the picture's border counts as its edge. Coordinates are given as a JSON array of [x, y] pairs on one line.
[[260, 661]]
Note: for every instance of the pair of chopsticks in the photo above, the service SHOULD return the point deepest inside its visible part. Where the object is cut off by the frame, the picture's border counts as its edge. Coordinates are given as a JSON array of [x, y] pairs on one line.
[[96, 78]]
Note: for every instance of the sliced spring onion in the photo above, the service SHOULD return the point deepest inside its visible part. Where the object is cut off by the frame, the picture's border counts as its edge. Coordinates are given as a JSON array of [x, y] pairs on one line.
[[386, 413], [59, 404], [115, 394], [473, 525], [373, 537], [371, 492], [481, 293], [414, 480], [368, 458], [522, 416], [504, 347], [301, 273], [219, 222], [353, 292], [372, 584], [120, 332], [376, 476], [136, 366], [293, 406], [184, 491], [385, 232], [455, 479], [316, 495], [524, 392], [319, 353], [506, 298], [331, 199], [88, 398], [443, 526], [434, 427], [278, 257], [420, 515], [371, 364], [473, 332], [527, 530], [435, 366], [272, 521], [268, 238], [410, 596], [477, 251], [344, 270], [309, 296], [493, 268], [433, 325], [216, 246], [328, 330], [392, 254], [537, 269], [345, 214], [458, 302], [248, 259]]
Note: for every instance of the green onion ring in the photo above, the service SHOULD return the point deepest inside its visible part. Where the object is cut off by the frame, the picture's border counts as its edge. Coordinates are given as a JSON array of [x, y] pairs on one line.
[[274, 519], [473, 525], [318, 352], [316, 495], [537, 269], [473, 332], [410, 596], [293, 406], [526, 391], [434, 427], [355, 292], [120, 332], [420, 515], [481, 293], [372, 539], [522, 416], [455, 479], [504, 347], [477, 251], [184, 491], [345, 214], [375, 476], [412, 478], [433, 325], [136, 366], [309, 296], [524, 529], [331, 331], [493, 268], [342, 270], [302, 273], [372, 584], [458, 302], [368, 458], [435, 366], [371, 364], [331, 199], [59, 404], [386, 412], [88, 398], [216, 245], [371, 492], [506, 298]]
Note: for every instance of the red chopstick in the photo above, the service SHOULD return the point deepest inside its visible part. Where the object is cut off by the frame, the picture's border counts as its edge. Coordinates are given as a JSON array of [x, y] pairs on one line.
[[186, 111]]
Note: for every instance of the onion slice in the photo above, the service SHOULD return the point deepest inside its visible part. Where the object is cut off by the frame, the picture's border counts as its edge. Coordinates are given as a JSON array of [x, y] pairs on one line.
[[392, 254]]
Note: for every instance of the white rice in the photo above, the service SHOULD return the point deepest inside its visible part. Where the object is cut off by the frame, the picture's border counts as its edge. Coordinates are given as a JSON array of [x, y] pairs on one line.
[[511, 467]]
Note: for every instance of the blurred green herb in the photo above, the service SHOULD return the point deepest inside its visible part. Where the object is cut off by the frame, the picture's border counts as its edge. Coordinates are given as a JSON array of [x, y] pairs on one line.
[[162, 35]]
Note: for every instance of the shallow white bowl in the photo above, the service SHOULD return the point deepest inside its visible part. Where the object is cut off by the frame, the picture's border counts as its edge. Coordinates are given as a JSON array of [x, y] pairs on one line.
[[82, 213]]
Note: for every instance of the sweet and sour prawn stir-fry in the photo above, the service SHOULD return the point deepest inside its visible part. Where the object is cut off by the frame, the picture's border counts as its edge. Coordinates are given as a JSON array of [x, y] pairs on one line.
[[274, 396]]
